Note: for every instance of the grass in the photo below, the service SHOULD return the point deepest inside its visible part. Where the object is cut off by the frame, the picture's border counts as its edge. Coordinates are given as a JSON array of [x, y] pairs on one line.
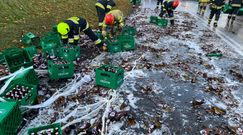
[[38, 16]]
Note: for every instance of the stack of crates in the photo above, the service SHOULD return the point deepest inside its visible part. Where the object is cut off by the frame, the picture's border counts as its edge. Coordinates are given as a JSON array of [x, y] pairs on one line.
[[109, 76], [58, 69], [53, 129], [69, 52], [17, 59], [24, 94], [50, 44], [153, 19], [10, 118], [30, 39]]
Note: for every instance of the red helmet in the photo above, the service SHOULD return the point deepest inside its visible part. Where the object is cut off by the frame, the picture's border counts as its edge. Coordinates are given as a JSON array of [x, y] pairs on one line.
[[109, 19], [175, 3]]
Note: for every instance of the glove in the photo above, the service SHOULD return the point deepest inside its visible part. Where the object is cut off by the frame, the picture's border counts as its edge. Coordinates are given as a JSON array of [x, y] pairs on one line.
[[121, 25], [104, 33]]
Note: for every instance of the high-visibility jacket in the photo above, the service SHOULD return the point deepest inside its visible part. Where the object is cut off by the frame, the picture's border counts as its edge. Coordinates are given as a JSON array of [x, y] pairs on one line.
[[118, 15], [236, 3], [105, 4], [217, 4], [167, 5], [76, 25]]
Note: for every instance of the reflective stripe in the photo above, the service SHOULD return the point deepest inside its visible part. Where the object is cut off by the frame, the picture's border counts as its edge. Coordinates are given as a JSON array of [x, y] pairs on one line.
[[76, 37], [64, 36], [74, 19], [70, 40], [87, 26], [236, 5], [100, 5], [98, 41], [109, 6], [101, 24]]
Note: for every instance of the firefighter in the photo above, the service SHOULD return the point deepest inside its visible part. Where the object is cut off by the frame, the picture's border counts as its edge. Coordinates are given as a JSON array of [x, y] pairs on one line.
[[202, 6], [112, 19], [216, 7], [236, 5], [159, 2], [103, 7], [169, 6], [71, 28]]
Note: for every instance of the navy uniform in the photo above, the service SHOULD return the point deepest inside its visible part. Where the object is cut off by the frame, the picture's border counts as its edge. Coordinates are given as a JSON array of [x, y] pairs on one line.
[[236, 4], [103, 7], [169, 6], [216, 7], [71, 28], [159, 2]]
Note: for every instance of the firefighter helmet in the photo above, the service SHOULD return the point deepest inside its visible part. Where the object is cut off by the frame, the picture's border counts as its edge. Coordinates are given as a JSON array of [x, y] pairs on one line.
[[109, 19], [63, 28], [175, 3]]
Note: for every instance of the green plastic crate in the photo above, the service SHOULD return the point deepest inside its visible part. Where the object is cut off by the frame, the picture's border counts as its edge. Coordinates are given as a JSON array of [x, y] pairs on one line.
[[30, 39], [10, 118], [26, 77], [31, 50], [227, 9], [127, 42], [240, 12], [43, 129], [106, 78], [70, 52], [58, 71], [153, 19], [16, 60], [28, 99], [50, 44], [113, 45], [162, 22], [128, 30]]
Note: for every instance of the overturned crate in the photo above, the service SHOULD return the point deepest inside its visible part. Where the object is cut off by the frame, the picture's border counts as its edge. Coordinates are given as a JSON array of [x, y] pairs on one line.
[[24, 94], [18, 59], [10, 118], [30, 39], [52, 129], [153, 19], [162, 22], [70, 52], [109, 76], [58, 69]]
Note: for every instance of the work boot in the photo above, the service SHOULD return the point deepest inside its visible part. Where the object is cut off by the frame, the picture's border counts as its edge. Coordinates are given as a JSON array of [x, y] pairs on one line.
[[215, 25], [209, 22], [172, 22], [133, 6]]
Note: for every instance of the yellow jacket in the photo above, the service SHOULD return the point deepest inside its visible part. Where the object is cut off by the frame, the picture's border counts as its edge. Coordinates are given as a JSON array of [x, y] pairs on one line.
[[118, 15]]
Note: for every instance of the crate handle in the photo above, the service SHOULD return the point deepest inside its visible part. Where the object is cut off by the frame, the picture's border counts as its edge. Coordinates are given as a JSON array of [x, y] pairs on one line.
[[119, 74], [63, 67], [104, 74]]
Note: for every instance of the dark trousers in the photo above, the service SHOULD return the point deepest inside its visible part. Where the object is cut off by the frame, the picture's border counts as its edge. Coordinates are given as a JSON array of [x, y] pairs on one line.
[[91, 34], [101, 15], [170, 13], [234, 13], [215, 12], [159, 2]]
